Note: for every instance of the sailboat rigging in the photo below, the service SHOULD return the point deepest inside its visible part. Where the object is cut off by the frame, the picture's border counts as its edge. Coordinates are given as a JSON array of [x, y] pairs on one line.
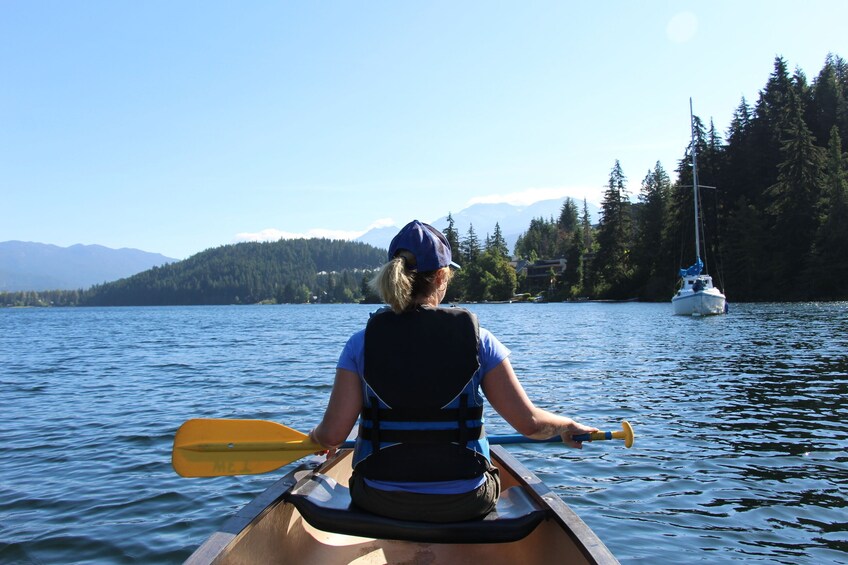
[[697, 296]]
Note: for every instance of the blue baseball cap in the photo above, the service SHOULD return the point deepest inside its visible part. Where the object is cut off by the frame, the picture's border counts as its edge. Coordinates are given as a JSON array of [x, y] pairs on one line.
[[428, 246]]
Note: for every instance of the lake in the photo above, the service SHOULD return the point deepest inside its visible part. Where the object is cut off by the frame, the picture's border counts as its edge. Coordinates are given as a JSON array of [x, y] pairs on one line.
[[741, 451]]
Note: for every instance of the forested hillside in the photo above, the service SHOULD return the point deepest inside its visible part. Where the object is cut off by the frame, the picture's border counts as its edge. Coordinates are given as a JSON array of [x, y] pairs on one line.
[[313, 270]]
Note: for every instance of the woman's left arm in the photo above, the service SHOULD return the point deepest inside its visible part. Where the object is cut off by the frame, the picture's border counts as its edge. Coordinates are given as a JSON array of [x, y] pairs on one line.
[[507, 396], [342, 411]]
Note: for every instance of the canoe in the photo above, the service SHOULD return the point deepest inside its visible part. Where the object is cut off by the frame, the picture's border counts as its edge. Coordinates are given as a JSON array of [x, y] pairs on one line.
[[306, 517]]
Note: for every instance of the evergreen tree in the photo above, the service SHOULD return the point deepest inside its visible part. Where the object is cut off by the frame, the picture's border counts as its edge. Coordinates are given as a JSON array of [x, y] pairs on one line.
[[452, 235], [767, 128], [586, 227], [794, 198], [651, 269], [470, 246], [738, 176], [829, 102], [612, 261], [829, 267], [587, 280], [497, 243], [568, 216]]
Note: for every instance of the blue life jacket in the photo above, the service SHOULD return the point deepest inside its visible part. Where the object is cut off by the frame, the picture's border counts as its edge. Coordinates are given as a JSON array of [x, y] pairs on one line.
[[422, 415]]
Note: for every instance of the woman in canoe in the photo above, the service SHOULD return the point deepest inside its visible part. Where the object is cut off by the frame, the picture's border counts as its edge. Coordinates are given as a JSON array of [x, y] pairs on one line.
[[414, 376]]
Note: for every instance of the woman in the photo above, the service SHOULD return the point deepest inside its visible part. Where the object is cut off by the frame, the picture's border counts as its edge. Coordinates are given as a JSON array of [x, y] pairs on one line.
[[414, 375]]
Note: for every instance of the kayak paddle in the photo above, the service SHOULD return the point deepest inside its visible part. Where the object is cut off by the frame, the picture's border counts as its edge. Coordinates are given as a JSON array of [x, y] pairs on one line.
[[215, 447]]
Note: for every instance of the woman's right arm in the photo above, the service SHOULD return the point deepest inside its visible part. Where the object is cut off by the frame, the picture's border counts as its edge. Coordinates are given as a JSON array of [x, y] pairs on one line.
[[507, 396], [342, 411]]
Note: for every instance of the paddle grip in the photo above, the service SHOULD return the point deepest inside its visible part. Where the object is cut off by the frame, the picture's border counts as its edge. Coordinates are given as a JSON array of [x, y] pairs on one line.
[[595, 436]]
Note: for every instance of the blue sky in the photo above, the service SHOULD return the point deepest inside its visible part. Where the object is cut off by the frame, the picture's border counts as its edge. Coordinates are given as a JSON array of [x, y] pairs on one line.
[[173, 127]]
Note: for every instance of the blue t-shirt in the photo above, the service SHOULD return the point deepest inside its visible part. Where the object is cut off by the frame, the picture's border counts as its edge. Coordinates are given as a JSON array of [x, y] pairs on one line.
[[491, 352]]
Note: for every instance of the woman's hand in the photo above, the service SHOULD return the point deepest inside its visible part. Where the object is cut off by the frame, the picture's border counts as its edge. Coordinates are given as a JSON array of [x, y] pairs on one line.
[[323, 451], [573, 429]]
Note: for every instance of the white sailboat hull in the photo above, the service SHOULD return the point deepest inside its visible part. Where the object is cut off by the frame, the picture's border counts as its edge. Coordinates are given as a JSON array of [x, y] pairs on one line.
[[707, 302]]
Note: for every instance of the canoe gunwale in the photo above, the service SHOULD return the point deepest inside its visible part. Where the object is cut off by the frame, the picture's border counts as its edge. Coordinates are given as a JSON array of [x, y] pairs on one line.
[[239, 523], [589, 543]]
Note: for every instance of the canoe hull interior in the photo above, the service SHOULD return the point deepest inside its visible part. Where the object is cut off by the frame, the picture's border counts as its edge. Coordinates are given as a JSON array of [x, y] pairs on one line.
[[271, 530]]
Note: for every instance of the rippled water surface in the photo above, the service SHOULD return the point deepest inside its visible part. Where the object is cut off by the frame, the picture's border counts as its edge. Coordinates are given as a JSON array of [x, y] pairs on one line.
[[742, 430]]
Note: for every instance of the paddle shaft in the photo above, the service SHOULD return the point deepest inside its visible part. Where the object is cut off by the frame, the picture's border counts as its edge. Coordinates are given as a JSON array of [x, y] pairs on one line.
[[219, 447], [517, 438], [306, 444]]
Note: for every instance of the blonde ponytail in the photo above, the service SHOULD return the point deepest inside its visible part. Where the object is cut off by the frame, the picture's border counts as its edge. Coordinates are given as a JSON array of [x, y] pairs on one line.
[[394, 284], [399, 287]]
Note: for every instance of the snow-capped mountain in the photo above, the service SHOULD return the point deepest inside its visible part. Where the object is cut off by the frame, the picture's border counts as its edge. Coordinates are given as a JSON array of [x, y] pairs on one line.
[[513, 220]]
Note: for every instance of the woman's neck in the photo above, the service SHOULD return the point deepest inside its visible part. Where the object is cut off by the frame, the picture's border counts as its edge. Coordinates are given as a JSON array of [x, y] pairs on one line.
[[431, 300]]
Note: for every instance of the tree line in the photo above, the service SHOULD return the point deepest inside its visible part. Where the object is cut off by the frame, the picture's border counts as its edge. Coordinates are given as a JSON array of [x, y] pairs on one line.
[[774, 209]]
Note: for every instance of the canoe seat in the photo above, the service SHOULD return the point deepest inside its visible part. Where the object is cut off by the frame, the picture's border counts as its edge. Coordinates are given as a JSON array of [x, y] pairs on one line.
[[326, 505]]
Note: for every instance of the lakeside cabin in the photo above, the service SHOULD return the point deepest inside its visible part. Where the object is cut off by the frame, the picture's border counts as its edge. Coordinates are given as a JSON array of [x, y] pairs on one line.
[[542, 274]]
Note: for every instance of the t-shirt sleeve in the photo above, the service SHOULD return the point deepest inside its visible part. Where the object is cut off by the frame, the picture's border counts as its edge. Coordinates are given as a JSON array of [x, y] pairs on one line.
[[352, 357], [492, 351]]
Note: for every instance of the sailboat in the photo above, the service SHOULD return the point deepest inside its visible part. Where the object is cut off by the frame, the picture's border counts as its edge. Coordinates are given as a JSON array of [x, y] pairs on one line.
[[697, 296]]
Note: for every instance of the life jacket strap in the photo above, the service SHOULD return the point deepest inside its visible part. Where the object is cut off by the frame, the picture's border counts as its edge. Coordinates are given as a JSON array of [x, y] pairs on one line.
[[419, 414], [422, 436], [374, 434]]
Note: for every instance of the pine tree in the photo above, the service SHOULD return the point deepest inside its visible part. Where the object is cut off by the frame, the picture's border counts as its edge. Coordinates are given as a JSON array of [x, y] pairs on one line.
[[829, 261], [452, 235], [586, 227], [568, 216], [738, 176], [612, 262], [650, 265], [794, 197], [497, 243], [470, 246], [586, 277], [767, 128], [828, 101]]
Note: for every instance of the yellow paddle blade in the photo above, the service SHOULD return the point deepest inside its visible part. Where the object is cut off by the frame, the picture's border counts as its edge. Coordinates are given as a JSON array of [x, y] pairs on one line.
[[207, 447]]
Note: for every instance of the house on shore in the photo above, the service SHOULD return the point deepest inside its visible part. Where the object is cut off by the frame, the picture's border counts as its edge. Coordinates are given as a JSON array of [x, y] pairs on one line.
[[542, 274]]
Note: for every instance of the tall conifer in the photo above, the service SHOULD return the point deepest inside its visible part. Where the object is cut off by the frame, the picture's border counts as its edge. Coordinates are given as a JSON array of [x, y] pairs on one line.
[[612, 262]]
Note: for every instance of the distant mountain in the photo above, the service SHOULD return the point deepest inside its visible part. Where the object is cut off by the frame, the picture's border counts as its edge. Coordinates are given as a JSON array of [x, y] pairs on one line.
[[379, 237], [39, 266], [513, 220]]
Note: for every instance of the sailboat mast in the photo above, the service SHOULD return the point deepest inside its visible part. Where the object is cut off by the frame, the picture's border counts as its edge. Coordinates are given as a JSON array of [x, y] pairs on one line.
[[695, 182]]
